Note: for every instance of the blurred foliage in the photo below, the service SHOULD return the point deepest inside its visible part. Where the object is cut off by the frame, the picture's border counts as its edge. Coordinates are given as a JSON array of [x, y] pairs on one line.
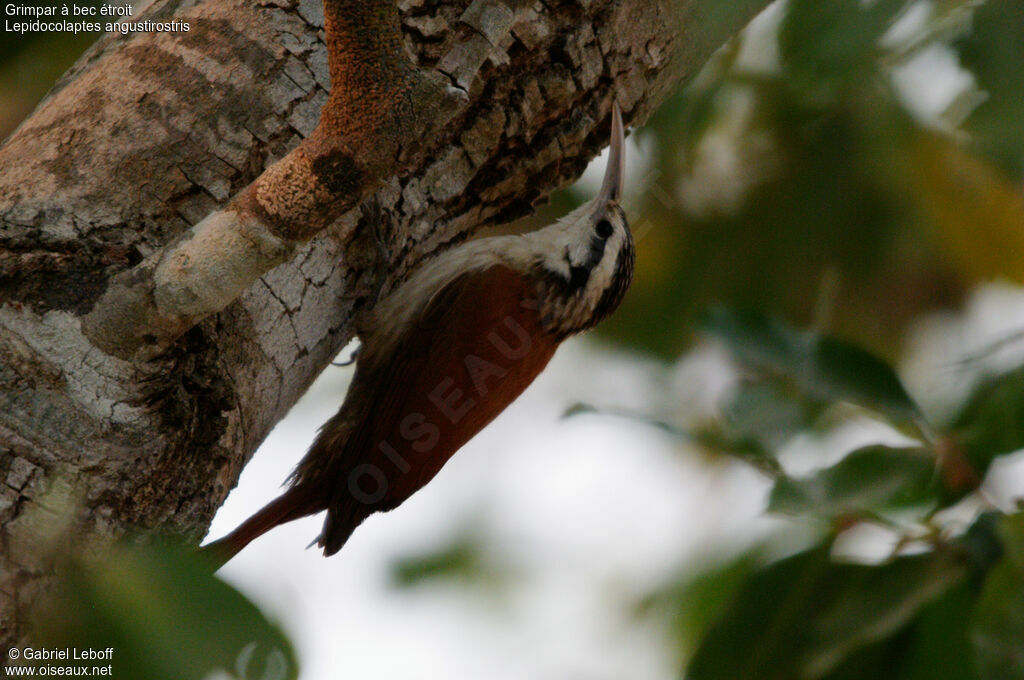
[[802, 208], [824, 367], [993, 51], [31, 62], [888, 610], [879, 484], [460, 560], [692, 605], [803, 616], [795, 176], [868, 479], [463, 559], [164, 614], [997, 630], [991, 421], [946, 602]]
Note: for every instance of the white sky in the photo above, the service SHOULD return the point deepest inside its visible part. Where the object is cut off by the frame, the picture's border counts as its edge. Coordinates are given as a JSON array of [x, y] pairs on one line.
[[587, 514]]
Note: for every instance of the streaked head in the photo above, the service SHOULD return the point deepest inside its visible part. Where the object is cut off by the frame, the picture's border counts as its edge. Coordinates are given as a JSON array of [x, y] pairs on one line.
[[588, 254]]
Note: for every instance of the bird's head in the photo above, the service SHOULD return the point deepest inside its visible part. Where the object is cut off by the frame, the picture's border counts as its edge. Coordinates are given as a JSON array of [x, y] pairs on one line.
[[587, 256]]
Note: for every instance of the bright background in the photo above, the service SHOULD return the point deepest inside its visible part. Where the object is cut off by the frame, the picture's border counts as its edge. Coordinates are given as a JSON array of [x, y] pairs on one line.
[[546, 547], [847, 168]]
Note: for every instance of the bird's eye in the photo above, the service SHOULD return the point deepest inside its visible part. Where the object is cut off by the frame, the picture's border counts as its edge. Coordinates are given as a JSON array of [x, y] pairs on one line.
[[603, 229]]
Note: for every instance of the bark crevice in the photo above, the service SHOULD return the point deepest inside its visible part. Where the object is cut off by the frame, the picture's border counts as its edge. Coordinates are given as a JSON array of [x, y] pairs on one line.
[[151, 133]]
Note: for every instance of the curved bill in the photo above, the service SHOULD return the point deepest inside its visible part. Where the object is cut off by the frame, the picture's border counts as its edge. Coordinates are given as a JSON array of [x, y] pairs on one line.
[[615, 173]]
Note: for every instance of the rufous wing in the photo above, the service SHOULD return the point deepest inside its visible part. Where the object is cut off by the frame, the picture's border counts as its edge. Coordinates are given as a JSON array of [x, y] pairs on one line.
[[478, 344]]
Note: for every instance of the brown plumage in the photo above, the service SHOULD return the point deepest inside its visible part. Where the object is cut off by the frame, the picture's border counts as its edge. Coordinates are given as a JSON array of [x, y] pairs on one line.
[[428, 399], [446, 353]]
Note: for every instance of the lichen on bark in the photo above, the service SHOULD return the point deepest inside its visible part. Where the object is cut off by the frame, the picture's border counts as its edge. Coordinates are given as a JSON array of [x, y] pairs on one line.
[[149, 134]]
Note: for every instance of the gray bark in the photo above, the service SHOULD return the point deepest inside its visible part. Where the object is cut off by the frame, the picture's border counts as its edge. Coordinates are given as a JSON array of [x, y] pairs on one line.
[[148, 134]]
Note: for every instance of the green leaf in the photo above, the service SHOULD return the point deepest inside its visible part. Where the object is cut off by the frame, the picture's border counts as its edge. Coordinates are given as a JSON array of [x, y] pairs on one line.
[[826, 40], [760, 418], [462, 560], [874, 602], [729, 436], [872, 478], [997, 627], [844, 371], [933, 646], [803, 616], [696, 601], [981, 543], [715, 439], [994, 53], [991, 422], [824, 367], [582, 409], [938, 647], [766, 412], [757, 340], [165, 616]]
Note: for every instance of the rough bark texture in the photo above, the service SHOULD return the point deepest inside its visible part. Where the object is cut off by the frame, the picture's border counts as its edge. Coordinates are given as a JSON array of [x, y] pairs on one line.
[[148, 134]]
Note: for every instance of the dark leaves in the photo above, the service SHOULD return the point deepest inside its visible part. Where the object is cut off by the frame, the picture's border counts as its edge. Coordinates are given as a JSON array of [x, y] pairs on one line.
[[165, 616], [804, 616], [866, 480], [824, 367]]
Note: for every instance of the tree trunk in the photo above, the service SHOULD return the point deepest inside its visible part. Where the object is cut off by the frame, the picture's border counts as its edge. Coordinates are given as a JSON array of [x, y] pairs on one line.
[[148, 134]]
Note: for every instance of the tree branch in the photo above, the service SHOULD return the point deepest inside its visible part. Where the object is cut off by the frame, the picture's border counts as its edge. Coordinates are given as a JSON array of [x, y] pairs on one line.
[[151, 134], [380, 104]]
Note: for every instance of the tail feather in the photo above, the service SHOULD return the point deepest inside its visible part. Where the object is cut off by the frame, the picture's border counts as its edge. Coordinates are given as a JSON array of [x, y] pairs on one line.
[[289, 506], [338, 527]]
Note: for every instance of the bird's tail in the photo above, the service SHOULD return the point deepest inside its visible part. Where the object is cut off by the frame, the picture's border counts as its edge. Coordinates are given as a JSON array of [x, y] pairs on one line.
[[291, 505], [339, 524]]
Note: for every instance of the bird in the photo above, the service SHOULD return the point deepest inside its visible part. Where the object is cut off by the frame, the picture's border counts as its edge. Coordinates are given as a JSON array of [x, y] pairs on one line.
[[447, 351]]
